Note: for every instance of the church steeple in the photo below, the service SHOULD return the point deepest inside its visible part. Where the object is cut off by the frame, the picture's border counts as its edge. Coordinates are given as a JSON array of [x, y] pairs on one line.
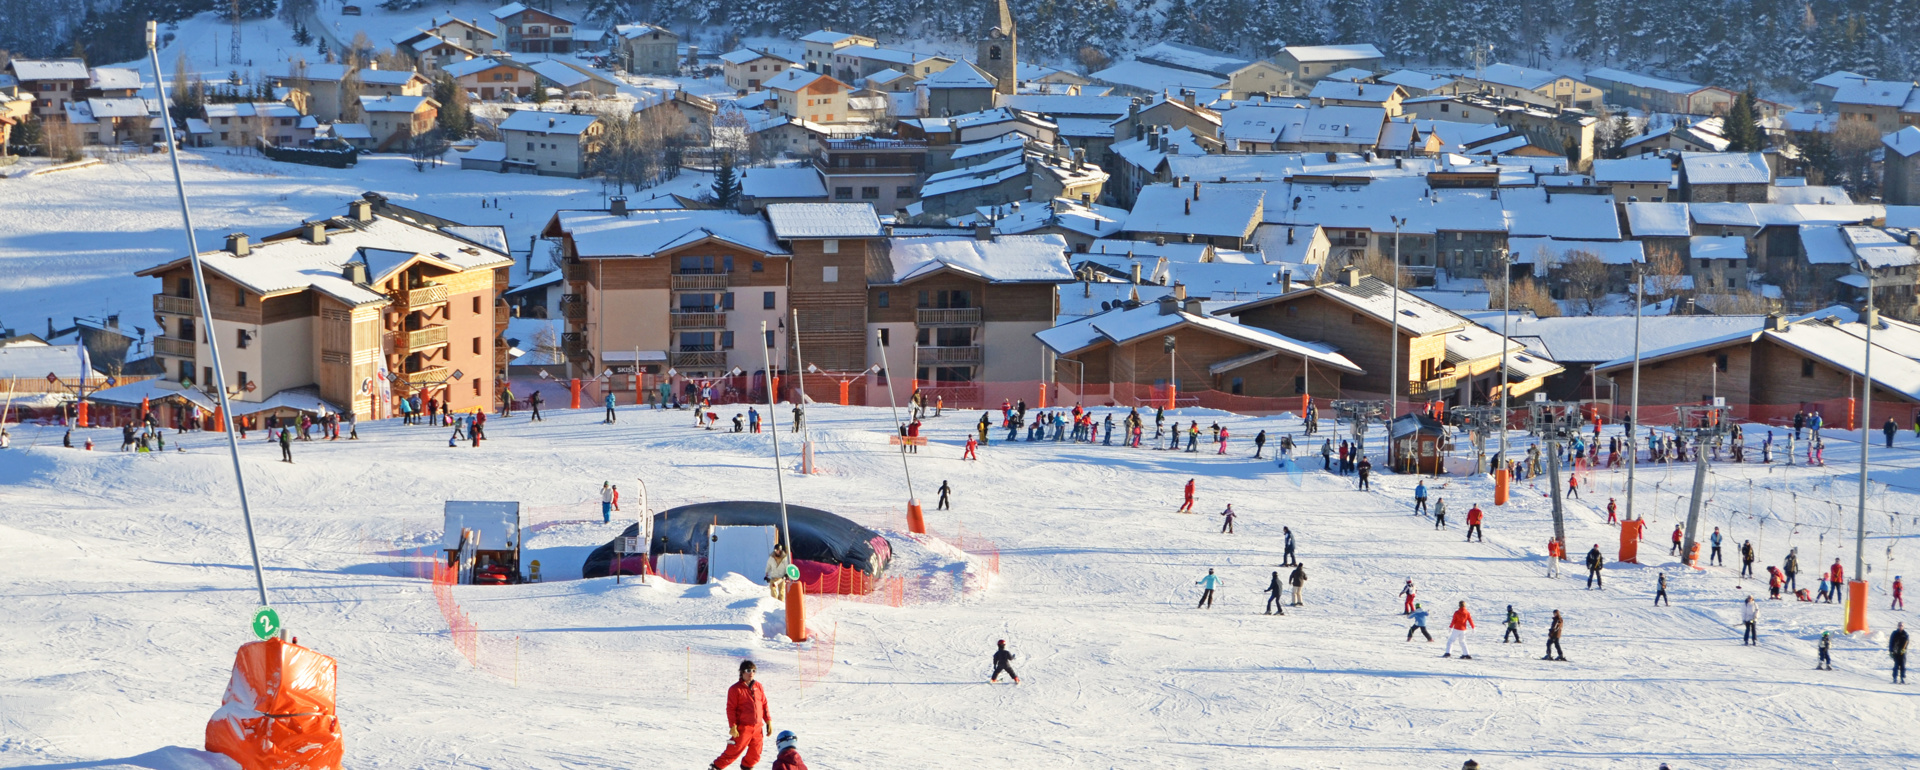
[[999, 52]]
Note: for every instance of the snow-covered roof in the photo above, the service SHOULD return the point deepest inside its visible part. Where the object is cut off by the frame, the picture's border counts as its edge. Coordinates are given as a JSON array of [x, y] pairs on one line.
[[49, 69], [1838, 78], [1653, 170], [1351, 74], [993, 172], [1155, 78], [1193, 57], [1122, 325], [1806, 194], [1717, 247], [823, 220], [1342, 125], [960, 75], [1373, 297], [1415, 80], [511, 9], [1536, 211], [1004, 259], [1873, 93], [1061, 105], [538, 122], [1780, 214], [1725, 168], [1206, 210], [1878, 249], [636, 30], [746, 55], [359, 131], [876, 53], [1642, 81], [129, 107], [1594, 339], [1823, 245], [113, 79], [886, 76], [792, 79], [1904, 142], [795, 182], [1236, 281], [565, 75], [1373, 93], [390, 103], [152, 391], [387, 77], [647, 232], [1546, 253], [1092, 219], [1517, 76], [830, 37], [462, 69], [1325, 53], [304, 399], [33, 362]]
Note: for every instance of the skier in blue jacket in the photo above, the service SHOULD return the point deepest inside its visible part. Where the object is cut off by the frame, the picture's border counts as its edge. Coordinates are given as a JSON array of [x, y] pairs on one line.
[[1207, 584], [1419, 623]]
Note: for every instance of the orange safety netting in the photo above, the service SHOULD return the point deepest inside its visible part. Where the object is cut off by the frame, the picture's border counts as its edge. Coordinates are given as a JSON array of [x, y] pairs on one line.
[[278, 712]]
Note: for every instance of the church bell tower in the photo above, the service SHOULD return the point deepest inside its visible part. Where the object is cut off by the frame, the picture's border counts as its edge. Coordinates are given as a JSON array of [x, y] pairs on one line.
[[999, 52]]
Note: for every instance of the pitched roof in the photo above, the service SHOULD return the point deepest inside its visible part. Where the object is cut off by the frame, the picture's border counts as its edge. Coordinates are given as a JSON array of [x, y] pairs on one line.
[[1904, 142], [745, 55], [539, 122], [1643, 81], [792, 79], [1517, 76], [647, 232], [1209, 210], [1876, 93], [1004, 259], [823, 220], [1122, 325], [49, 69], [506, 11], [113, 78], [1645, 220], [1376, 93], [462, 69], [1413, 79], [1323, 53], [391, 103], [1192, 57], [961, 75], [830, 37], [1150, 77], [1725, 168], [1373, 297], [1654, 170]]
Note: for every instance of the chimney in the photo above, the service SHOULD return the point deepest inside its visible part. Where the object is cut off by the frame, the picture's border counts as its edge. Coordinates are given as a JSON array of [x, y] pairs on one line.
[[1136, 274], [1776, 322], [1189, 203], [1180, 292], [113, 321], [549, 122], [1191, 98], [982, 232], [361, 210], [1286, 280], [1168, 304], [1160, 240], [619, 203], [314, 232], [1079, 158], [1086, 199], [1399, 162], [237, 245], [1289, 236], [355, 272], [1196, 191], [1351, 275], [1332, 156], [1153, 140], [1913, 238]]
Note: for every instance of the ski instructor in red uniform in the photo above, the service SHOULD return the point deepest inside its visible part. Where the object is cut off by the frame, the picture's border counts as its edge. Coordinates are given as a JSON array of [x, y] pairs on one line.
[[747, 720]]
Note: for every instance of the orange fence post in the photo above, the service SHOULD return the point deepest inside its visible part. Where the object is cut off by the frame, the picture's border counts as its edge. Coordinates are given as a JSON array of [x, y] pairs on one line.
[[573, 389], [1173, 392], [1043, 396], [844, 385], [1856, 606], [797, 611], [80, 415], [916, 521], [219, 420], [1500, 486], [1852, 411]]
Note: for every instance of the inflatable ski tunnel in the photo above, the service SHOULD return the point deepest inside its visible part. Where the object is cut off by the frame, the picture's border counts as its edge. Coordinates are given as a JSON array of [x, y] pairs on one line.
[[834, 554], [278, 713]]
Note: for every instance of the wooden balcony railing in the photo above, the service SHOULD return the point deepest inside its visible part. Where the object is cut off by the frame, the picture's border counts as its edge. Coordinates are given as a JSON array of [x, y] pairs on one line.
[[697, 320], [958, 316], [709, 358], [956, 355], [427, 376], [175, 305], [696, 282], [425, 338], [426, 296], [168, 346]]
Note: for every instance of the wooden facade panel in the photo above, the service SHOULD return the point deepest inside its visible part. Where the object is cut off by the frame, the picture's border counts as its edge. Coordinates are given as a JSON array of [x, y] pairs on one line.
[[1023, 302], [288, 307], [627, 274], [1313, 318]]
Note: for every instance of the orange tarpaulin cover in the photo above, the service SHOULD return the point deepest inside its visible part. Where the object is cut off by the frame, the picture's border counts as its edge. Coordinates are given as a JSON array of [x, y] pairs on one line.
[[278, 711]]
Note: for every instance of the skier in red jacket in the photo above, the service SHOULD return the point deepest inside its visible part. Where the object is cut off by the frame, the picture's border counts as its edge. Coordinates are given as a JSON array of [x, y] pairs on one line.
[[1462, 621], [748, 721], [1187, 507]]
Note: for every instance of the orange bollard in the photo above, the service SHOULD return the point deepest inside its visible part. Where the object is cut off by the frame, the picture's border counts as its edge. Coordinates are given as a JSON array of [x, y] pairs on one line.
[[916, 521], [80, 415], [844, 384], [1305, 401], [574, 389], [1852, 404], [219, 421], [1856, 606], [1630, 540], [1173, 391], [1043, 396], [797, 611], [1500, 484]]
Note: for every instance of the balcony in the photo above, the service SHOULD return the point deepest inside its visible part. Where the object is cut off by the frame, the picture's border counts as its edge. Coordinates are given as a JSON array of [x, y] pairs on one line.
[[428, 376], [425, 296], [574, 310], [501, 315], [168, 346], [702, 359], [576, 271], [175, 305], [421, 339], [697, 320], [957, 316], [699, 282], [957, 355]]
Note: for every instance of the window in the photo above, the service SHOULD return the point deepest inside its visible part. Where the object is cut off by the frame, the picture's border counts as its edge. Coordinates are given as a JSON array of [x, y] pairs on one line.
[[869, 193], [839, 193], [726, 340], [769, 338], [529, 146], [1237, 387], [696, 342], [240, 338], [903, 192], [726, 301], [883, 299], [476, 386], [241, 381], [1720, 362], [830, 246], [758, 267], [476, 346], [1806, 367], [766, 300], [830, 274], [1299, 385], [239, 297], [206, 374], [886, 337]]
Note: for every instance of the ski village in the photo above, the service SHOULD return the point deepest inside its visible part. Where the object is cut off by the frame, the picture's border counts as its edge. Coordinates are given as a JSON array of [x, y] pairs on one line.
[[608, 384]]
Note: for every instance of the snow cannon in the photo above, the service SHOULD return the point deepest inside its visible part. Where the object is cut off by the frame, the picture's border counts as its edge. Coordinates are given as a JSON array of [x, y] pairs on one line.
[[278, 713]]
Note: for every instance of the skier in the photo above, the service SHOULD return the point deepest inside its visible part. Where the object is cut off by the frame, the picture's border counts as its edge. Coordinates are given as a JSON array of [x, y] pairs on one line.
[[1366, 471], [1187, 507], [616, 497], [1613, 512], [1826, 642], [1462, 621], [1419, 623], [1003, 661], [1287, 559], [1746, 558], [1440, 513], [286, 445], [1750, 619], [1228, 514], [1677, 535], [1207, 584], [1553, 638], [1297, 579], [1897, 647], [1326, 455], [972, 444], [1790, 569], [611, 418], [1898, 603], [1274, 592], [1259, 443], [748, 721], [606, 502], [1774, 581], [789, 757], [1406, 607], [1661, 593], [1838, 576], [1714, 540], [1573, 487], [1556, 553], [1474, 517], [1594, 562], [1513, 626], [1419, 498]]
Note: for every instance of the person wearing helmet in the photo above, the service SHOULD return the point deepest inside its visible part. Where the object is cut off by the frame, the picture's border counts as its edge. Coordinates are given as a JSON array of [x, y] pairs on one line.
[[1003, 661], [788, 747]]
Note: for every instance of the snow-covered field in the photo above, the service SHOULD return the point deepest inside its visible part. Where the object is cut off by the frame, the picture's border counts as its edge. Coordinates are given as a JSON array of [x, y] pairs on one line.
[[127, 588], [79, 236]]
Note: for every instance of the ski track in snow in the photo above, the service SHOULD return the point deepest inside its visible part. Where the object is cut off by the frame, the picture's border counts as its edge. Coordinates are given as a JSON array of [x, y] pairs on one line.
[[128, 587]]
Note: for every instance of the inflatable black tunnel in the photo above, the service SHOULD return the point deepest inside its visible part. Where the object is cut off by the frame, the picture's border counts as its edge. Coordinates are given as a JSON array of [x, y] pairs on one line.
[[829, 540]]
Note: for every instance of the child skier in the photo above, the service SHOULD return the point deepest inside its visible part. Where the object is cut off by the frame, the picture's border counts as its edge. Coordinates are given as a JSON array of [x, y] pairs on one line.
[[1003, 661]]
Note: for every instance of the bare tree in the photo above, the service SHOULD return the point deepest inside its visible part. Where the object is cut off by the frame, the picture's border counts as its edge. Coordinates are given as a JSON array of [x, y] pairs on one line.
[[1527, 295], [1666, 270], [1854, 145], [635, 149], [1743, 302], [1585, 276]]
